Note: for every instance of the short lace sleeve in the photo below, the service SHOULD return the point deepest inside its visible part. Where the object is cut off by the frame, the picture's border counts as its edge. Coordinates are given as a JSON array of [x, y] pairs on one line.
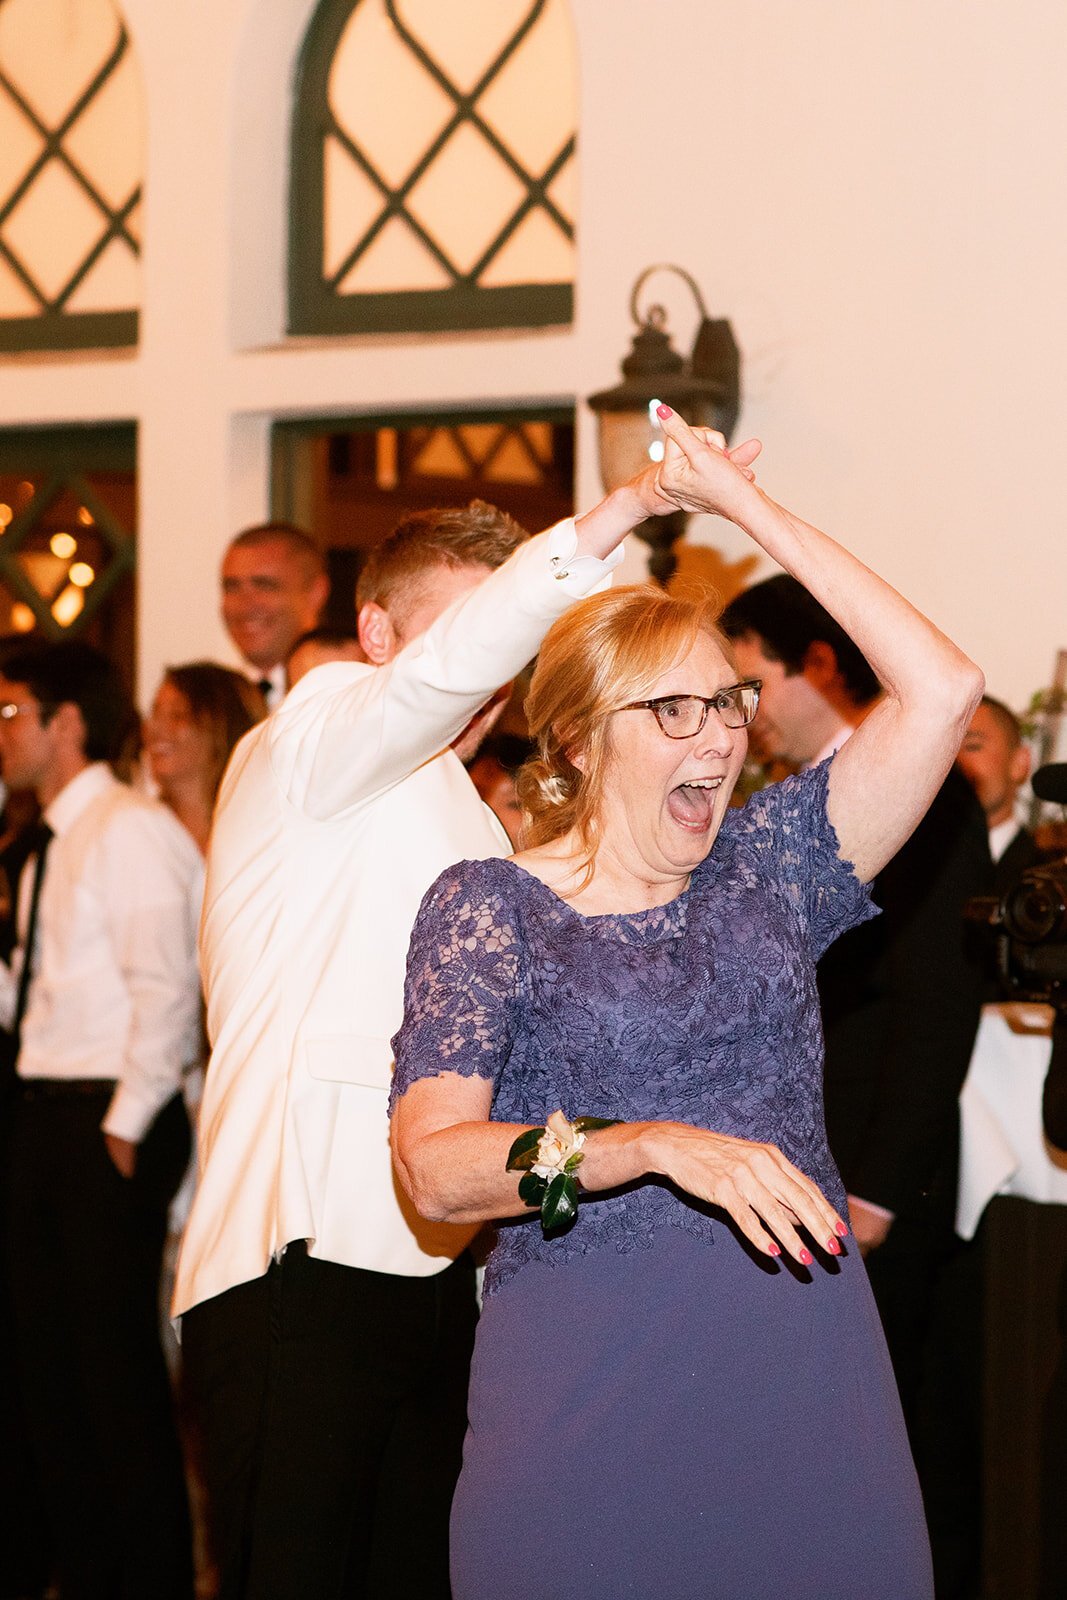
[[462, 978], [788, 825]]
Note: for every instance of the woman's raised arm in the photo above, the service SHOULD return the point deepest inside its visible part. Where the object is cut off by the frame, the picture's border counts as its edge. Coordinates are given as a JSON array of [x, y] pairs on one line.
[[883, 779]]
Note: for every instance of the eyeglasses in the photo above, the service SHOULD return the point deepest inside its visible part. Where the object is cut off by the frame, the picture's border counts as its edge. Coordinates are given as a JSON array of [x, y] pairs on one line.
[[681, 716]]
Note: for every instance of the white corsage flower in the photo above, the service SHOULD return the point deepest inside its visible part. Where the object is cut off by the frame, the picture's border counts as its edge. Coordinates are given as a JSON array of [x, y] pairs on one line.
[[560, 1141], [548, 1158]]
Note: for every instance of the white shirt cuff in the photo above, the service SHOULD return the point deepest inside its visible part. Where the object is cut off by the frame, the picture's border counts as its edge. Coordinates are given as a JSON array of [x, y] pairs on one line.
[[578, 575], [128, 1116]]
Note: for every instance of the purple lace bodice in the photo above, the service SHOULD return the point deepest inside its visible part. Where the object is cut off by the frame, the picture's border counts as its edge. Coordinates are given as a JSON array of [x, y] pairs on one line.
[[704, 1010]]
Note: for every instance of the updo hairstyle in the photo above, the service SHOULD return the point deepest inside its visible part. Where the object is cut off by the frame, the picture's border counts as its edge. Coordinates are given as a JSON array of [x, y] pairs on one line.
[[605, 652]]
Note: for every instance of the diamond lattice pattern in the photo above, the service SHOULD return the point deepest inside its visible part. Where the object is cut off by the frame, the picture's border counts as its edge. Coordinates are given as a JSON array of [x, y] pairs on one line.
[[449, 154], [71, 159]]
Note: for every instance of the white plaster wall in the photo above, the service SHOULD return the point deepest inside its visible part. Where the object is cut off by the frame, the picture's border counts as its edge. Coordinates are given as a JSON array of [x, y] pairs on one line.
[[872, 190]]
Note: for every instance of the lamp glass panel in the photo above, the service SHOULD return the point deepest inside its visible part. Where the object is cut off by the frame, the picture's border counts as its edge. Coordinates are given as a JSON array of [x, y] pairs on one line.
[[625, 441]]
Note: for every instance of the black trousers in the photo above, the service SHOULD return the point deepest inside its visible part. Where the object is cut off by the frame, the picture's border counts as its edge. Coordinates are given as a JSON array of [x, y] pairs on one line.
[[84, 1247], [25, 1561], [332, 1409]]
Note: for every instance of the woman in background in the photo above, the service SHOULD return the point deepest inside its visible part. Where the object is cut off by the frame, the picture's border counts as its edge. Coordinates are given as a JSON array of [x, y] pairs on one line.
[[199, 713]]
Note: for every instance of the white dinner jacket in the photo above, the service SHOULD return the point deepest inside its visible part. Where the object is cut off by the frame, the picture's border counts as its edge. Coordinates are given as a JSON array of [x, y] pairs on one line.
[[334, 817]]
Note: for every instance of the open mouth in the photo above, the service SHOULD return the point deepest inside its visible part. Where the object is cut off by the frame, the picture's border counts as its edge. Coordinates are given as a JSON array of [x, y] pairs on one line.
[[691, 804]]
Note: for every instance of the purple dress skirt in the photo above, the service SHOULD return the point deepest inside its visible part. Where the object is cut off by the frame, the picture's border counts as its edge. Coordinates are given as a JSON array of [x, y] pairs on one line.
[[655, 1410]]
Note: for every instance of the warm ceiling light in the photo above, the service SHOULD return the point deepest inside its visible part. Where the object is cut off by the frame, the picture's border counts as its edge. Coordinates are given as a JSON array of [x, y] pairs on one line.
[[82, 574], [85, 516], [22, 618], [68, 607], [63, 545], [6, 514]]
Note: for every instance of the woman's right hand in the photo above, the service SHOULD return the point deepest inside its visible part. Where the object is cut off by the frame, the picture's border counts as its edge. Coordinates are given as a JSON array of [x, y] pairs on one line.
[[761, 1190]]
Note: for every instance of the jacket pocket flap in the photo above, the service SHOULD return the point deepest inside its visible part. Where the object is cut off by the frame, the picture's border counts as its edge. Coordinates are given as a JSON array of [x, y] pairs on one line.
[[351, 1058]]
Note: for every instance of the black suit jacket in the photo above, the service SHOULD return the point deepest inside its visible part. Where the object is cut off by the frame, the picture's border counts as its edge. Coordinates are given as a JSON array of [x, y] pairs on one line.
[[901, 998]]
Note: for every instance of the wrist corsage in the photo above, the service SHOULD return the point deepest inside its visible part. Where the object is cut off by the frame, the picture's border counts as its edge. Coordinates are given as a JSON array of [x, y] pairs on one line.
[[548, 1158]]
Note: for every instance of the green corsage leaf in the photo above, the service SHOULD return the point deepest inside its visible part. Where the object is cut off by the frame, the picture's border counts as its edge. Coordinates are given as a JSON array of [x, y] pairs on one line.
[[560, 1205], [573, 1162], [523, 1152], [591, 1124], [531, 1189]]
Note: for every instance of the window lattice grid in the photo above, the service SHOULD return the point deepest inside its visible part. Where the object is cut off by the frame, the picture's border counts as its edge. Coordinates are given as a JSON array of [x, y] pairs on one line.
[[63, 550], [70, 176], [432, 189]]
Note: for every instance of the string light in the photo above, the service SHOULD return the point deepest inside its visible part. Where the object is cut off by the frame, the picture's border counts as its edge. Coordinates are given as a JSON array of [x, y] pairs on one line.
[[67, 608]]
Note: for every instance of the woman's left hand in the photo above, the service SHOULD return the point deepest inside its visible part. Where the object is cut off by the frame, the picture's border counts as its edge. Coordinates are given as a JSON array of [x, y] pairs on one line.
[[699, 473], [669, 485]]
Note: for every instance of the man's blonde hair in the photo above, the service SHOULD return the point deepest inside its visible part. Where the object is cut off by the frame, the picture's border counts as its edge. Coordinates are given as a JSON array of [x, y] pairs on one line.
[[395, 572]]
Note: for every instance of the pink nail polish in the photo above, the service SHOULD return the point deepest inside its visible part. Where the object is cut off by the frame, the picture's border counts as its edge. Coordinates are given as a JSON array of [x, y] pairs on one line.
[[774, 1249], [834, 1247], [807, 1257], [842, 1230], [664, 411]]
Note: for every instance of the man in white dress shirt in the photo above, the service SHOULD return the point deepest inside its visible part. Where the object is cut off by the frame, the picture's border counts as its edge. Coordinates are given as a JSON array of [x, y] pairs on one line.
[[326, 1327], [274, 587], [104, 1000]]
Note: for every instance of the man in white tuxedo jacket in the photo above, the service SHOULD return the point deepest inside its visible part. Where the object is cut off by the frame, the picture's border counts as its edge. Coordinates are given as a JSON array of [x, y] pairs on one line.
[[327, 1328]]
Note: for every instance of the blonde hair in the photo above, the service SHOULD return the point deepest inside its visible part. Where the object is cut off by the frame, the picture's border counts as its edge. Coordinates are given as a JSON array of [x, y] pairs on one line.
[[604, 653]]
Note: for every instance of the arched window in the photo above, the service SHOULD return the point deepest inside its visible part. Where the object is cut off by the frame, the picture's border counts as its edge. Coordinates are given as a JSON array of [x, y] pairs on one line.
[[433, 168], [71, 161]]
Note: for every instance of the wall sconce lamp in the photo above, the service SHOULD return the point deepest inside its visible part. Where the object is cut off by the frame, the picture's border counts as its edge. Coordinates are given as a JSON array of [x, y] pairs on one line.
[[706, 389]]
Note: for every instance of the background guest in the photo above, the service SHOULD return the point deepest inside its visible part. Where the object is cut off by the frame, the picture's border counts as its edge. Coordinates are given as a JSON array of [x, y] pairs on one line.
[[996, 763], [199, 713], [274, 587], [493, 772], [103, 999], [319, 645], [1013, 1189]]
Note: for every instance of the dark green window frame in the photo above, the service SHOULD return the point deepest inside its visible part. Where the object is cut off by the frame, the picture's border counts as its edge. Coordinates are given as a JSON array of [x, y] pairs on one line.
[[53, 328], [287, 437], [314, 304]]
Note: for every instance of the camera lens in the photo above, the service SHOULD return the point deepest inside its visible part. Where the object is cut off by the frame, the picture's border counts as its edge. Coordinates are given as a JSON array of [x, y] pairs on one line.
[[1035, 910]]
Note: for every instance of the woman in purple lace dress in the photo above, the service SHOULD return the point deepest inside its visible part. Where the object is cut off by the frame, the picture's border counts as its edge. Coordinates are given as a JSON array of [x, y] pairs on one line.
[[686, 1393]]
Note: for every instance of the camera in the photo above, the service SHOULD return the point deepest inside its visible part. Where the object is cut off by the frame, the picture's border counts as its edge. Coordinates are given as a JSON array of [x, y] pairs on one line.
[[1030, 918], [1030, 921]]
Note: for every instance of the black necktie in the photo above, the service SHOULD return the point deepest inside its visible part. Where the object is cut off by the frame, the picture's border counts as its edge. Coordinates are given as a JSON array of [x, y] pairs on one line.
[[42, 839]]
